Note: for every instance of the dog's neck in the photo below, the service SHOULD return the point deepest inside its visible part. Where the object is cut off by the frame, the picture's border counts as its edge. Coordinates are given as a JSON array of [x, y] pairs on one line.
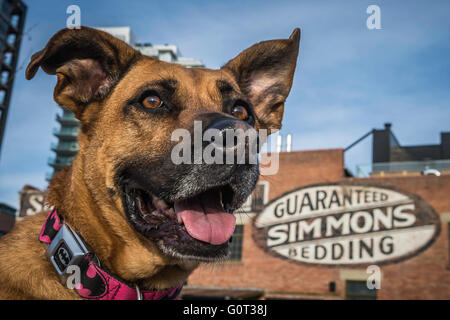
[[72, 200], [132, 261]]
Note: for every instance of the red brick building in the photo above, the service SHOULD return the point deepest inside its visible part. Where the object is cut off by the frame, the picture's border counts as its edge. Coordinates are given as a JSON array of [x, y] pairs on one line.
[[7, 218], [419, 269]]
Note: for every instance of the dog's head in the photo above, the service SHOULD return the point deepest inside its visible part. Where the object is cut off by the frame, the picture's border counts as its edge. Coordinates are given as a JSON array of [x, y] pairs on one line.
[[130, 105]]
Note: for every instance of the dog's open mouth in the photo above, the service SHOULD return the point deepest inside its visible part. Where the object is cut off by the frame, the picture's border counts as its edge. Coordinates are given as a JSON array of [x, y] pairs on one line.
[[198, 227]]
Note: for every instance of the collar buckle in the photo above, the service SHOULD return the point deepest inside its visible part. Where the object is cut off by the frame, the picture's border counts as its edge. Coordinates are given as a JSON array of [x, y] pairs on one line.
[[66, 249]]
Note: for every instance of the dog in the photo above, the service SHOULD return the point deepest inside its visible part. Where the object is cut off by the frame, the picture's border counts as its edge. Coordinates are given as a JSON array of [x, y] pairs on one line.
[[142, 222]]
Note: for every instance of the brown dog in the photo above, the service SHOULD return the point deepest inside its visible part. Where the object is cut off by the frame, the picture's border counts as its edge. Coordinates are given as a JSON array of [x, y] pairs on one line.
[[149, 221]]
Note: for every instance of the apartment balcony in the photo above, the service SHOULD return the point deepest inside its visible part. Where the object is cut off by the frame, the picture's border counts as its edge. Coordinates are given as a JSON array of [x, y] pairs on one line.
[[60, 162], [66, 133], [67, 120], [404, 168], [65, 149]]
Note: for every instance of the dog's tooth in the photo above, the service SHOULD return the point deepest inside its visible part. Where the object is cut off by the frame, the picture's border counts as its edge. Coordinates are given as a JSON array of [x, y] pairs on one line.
[[139, 205], [164, 205], [179, 220], [165, 225], [159, 203], [171, 213], [147, 218]]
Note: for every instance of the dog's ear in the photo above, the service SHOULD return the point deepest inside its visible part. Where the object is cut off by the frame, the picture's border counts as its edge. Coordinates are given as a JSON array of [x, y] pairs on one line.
[[265, 73], [87, 62]]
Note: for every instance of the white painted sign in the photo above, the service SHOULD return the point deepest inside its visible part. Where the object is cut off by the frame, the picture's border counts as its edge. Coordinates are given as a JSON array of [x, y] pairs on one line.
[[32, 201], [346, 224]]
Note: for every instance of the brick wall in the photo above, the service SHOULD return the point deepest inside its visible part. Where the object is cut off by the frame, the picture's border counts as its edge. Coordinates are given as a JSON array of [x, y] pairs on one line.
[[7, 222], [425, 276]]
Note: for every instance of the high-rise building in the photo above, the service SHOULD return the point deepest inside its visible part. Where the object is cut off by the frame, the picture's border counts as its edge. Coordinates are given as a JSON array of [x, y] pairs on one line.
[[163, 52], [67, 147], [12, 19]]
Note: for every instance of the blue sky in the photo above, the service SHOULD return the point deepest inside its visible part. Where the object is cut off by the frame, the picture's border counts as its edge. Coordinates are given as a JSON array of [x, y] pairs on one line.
[[349, 79]]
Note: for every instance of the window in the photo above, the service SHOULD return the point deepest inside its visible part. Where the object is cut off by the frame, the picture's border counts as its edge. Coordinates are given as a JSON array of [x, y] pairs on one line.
[[357, 290], [15, 20], [4, 77], [258, 197], [236, 244], [11, 39]]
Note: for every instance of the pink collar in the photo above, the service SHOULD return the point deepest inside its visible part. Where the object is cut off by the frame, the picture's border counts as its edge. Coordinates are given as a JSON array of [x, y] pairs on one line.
[[96, 283]]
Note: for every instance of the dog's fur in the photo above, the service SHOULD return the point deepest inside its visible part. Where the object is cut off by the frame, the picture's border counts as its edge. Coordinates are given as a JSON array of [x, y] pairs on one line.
[[98, 79]]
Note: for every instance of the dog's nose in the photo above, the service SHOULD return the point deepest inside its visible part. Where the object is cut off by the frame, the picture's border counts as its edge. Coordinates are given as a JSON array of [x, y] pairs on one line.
[[234, 139]]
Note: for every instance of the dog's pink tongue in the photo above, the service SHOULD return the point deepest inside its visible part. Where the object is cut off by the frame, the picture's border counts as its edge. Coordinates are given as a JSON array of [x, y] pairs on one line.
[[205, 219]]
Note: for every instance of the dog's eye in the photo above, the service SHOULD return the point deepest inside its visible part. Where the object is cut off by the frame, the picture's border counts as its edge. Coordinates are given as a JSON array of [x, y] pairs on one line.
[[152, 102], [240, 112]]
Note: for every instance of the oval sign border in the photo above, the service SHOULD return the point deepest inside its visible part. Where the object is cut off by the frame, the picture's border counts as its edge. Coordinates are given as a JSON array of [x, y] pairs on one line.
[[260, 239]]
